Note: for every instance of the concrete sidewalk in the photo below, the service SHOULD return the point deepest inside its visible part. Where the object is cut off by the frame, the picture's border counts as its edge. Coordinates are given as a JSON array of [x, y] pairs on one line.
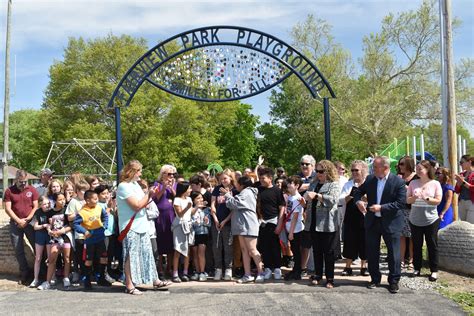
[[232, 299], [349, 297]]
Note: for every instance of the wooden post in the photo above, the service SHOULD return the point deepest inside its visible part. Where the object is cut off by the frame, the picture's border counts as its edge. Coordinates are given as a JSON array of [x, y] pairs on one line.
[[447, 89]]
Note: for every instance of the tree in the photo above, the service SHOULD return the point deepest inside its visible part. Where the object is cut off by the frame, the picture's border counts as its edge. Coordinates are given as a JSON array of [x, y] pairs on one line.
[[395, 90], [237, 139], [28, 140]]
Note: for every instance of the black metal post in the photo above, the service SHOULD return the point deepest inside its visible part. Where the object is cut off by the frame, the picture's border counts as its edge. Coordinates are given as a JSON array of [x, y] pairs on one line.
[[118, 142], [327, 129]]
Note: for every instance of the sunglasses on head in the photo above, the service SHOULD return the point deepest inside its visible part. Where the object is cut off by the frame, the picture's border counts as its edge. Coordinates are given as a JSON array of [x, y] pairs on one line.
[[305, 164], [320, 171]]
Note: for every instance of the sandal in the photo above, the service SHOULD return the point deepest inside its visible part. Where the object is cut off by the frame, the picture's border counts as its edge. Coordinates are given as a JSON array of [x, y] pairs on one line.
[[133, 291], [160, 285]]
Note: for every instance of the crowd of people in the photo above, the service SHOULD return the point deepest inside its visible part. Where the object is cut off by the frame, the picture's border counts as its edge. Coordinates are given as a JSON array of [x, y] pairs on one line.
[[241, 226]]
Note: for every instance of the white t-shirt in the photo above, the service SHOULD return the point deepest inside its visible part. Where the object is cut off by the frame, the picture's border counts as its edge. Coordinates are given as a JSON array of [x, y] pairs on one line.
[[184, 203], [295, 207]]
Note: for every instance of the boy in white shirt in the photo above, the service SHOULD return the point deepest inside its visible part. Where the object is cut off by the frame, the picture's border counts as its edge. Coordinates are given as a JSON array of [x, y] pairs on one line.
[[294, 224]]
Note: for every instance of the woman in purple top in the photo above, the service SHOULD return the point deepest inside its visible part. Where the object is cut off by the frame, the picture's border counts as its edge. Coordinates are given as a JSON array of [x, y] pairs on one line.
[[445, 208], [165, 192]]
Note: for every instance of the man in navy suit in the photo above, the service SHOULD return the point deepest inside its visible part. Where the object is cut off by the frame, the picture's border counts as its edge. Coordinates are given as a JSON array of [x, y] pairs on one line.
[[386, 197]]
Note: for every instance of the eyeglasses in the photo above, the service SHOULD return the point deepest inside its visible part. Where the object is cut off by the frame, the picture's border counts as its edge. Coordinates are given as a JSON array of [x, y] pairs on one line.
[[320, 171], [355, 170], [170, 174], [438, 173], [305, 164]]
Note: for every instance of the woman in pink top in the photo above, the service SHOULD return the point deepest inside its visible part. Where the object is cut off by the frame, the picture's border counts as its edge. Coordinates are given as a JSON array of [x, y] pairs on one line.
[[424, 194]]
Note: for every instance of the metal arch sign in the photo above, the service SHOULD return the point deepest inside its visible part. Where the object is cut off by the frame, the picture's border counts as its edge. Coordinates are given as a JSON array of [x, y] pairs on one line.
[[218, 63]]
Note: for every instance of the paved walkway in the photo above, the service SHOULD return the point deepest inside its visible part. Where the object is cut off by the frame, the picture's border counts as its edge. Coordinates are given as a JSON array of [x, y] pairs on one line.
[[212, 298]]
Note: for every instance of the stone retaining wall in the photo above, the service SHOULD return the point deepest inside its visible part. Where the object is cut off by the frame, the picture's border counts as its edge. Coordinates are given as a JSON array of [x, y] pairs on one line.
[[8, 263]]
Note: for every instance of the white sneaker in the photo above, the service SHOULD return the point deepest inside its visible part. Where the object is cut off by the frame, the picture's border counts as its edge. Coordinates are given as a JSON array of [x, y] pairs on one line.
[[53, 281], [34, 284], [246, 279], [277, 274], [228, 274], [267, 273], [109, 279], [44, 286], [66, 282], [195, 276], [260, 278], [202, 277], [218, 275]]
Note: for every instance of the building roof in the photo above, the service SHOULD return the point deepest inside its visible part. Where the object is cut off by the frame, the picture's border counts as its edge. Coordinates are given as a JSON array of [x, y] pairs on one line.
[[12, 174]]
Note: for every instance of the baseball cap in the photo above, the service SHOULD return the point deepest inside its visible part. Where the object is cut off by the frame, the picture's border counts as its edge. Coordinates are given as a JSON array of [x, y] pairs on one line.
[[46, 171]]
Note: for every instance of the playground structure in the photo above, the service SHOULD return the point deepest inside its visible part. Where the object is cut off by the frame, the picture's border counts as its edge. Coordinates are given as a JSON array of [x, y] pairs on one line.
[[409, 147], [88, 156]]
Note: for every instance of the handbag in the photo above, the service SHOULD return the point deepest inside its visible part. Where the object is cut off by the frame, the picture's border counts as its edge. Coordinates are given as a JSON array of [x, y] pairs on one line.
[[124, 232]]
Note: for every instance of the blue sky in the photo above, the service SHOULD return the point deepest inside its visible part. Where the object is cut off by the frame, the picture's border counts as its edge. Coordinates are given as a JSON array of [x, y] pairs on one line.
[[40, 29]]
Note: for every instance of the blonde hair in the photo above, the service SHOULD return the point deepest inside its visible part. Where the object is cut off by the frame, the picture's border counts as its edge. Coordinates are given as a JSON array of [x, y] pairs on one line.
[[164, 169], [227, 172], [331, 171], [363, 167], [129, 171]]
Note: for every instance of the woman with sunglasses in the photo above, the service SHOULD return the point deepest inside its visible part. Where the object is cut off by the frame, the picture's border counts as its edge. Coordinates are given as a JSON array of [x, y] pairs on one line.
[[322, 222], [406, 170], [165, 192], [465, 188], [354, 231]]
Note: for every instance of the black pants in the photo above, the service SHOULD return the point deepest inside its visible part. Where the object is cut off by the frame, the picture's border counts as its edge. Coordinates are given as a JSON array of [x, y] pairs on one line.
[[269, 246], [324, 252], [16, 236], [79, 256], [296, 249], [392, 241], [431, 236]]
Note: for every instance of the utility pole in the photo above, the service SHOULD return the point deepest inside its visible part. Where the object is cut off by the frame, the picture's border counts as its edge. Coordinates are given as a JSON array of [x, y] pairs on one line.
[[447, 89], [6, 109]]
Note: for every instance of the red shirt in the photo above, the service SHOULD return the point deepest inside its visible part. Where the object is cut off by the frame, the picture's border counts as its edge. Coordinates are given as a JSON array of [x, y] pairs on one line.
[[22, 201], [470, 180]]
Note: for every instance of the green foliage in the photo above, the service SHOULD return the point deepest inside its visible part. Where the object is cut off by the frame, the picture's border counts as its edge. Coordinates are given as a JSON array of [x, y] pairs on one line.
[[29, 141]]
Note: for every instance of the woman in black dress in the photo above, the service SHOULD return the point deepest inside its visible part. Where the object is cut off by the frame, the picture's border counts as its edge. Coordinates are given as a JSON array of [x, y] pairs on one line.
[[354, 232]]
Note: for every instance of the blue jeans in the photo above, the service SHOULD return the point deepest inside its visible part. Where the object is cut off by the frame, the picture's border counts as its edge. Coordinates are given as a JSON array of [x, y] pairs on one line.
[[17, 238]]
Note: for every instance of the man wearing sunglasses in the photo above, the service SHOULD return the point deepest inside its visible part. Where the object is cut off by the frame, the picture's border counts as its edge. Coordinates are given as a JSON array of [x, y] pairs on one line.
[[21, 202]]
